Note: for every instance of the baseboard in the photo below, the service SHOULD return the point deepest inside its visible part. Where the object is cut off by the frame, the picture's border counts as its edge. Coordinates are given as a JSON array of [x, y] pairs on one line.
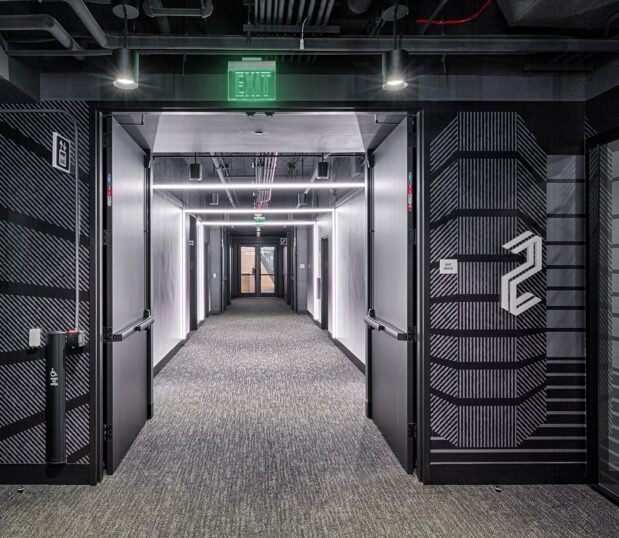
[[169, 356], [45, 474], [311, 316], [504, 474], [605, 493], [349, 354]]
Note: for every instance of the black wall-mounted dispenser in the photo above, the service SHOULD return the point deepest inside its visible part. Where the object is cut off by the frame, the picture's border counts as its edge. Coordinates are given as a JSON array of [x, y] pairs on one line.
[[55, 382]]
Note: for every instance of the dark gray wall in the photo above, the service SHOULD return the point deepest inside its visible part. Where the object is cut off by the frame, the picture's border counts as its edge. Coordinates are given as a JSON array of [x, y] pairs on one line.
[[37, 223], [215, 269], [506, 393], [301, 241]]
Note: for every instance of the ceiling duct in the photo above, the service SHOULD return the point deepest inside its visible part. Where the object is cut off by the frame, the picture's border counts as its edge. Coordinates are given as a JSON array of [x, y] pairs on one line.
[[569, 14]]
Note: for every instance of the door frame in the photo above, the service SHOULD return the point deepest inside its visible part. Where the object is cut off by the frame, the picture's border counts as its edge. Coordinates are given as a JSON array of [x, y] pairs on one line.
[[101, 109], [104, 219], [418, 401], [324, 282], [255, 242]]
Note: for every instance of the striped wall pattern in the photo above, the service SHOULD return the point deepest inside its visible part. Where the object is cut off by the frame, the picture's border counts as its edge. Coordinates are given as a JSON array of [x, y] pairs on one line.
[[604, 196], [37, 226], [505, 389]]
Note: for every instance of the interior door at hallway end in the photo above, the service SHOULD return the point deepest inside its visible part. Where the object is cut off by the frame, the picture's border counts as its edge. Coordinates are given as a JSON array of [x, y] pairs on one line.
[[390, 320]]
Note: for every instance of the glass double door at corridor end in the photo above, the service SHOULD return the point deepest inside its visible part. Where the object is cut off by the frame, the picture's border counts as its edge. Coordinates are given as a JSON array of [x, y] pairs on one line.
[[257, 270]]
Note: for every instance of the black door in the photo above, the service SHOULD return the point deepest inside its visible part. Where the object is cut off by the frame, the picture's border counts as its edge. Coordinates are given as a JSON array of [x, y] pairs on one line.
[[324, 283], [390, 319], [127, 320]]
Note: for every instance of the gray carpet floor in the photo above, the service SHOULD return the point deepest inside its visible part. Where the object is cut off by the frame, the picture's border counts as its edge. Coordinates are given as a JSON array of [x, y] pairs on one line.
[[260, 431]]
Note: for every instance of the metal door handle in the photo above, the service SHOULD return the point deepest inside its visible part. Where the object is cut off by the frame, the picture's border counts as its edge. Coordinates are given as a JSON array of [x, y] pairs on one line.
[[373, 323], [137, 326]]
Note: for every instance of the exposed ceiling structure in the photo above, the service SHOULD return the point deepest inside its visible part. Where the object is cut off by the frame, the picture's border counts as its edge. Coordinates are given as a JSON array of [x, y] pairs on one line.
[[194, 153], [306, 36]]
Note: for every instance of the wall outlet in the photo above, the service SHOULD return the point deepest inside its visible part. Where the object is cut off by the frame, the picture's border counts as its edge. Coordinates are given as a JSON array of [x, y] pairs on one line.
[[34, 338]]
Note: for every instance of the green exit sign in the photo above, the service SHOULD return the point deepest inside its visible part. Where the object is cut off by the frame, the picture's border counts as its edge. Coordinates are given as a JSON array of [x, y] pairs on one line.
[[252, 80]]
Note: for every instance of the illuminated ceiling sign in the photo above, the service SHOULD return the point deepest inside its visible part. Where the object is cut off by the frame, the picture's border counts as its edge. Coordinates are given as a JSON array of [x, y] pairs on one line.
[[251, 80]]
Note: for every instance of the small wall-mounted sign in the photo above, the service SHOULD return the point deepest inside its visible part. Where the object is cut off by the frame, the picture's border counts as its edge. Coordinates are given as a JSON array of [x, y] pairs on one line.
[[61, 150], [448, 267]]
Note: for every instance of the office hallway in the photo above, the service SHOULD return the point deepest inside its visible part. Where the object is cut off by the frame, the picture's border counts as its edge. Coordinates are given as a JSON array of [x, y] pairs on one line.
[[259, 430]]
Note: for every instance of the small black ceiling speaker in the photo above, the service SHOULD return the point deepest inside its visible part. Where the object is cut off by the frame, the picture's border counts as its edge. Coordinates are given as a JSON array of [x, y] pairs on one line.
[[132, 7], [302, 198], [195, 170], [213, 198], [322, 170]]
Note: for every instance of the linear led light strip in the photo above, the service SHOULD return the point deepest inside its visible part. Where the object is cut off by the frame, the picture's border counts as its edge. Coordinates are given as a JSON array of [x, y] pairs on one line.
[[238, 211], [255, 187], [257, 224]]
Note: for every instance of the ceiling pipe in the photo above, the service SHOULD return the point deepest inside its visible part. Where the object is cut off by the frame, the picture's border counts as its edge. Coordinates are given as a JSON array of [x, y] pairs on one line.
[[321, 12], [222, 178], [280, 14], [46, 23], [291, 4], [300, 11], [154, 8], [328, 12]]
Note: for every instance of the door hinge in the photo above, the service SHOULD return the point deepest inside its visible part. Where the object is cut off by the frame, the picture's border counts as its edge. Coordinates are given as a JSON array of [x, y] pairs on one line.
[[108, 335], [412, 431], [107, 432], [107, 238], [412, 237], [412, 334]]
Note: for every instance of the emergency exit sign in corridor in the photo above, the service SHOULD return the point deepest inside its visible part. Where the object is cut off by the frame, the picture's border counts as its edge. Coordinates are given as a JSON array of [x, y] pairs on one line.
[[252, 80]]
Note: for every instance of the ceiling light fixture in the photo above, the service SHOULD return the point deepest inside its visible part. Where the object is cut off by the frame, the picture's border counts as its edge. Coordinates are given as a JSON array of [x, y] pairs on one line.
[[127, 64], [259, 224], [195, 169], [268, 210], [286, 186], [395, 61], [322, 169]]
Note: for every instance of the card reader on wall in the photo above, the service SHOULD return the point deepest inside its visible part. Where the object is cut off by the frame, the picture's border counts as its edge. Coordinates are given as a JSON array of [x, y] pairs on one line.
[[76, 339]]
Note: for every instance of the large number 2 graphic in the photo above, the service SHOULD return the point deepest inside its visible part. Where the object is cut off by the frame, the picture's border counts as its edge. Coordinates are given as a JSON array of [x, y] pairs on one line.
[[510, 300]]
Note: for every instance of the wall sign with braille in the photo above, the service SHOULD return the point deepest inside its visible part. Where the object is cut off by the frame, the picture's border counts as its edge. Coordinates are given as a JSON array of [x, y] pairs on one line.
[[61, 150], [448, 267]]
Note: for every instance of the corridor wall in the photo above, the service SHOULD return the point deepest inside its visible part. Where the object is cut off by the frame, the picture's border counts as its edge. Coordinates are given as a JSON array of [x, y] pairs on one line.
[[37, 227], [168, 274], [349, 286], [507, 389]]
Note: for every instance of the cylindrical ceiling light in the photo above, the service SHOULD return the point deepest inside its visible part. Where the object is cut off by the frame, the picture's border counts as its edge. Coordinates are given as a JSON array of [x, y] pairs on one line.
[[395, 61], [127, 69], [127, 62], [395, 69]]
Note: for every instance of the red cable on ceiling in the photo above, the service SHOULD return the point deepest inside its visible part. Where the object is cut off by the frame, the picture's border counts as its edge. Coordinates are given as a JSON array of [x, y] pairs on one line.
[[456, 21]]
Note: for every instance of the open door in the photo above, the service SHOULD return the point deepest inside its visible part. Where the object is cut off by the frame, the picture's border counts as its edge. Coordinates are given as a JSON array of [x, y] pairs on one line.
[[126, 281], [390, 320]]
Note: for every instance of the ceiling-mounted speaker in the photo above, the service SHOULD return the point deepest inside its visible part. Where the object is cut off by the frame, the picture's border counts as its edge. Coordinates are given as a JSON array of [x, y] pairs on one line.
[[322, 170], [132, 7], [302, 198], [195, 172], [213, 198]]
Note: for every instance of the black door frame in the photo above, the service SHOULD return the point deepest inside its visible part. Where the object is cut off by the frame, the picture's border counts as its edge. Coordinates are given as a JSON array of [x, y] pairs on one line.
[[105, 343], [324, 282], [256, 243], [591, 314], [418, 403], [101, 109]]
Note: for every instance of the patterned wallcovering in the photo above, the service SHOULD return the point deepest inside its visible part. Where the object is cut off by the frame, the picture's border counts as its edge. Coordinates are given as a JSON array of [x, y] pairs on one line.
[[505, 388], [37, 225]]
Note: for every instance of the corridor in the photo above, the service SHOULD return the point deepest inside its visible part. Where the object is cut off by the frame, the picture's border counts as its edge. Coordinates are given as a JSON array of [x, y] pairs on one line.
[[259, 430]]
